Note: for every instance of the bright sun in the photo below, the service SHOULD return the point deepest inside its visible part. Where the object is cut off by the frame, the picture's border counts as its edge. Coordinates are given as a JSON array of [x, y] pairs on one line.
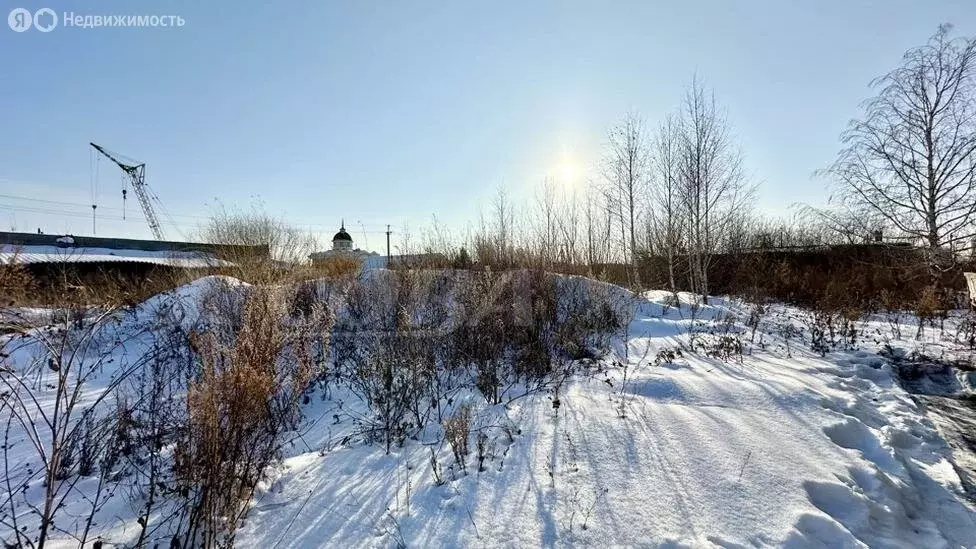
[[566, 172]]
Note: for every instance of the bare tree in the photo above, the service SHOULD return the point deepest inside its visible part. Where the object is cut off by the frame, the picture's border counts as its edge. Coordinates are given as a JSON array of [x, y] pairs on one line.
[[568, 227], [595, 243], [665, 215], [911, 158], [712, 186], [547, 215], [286, 244], [603, 208], [494, 243], [625, 170], [849, 223]]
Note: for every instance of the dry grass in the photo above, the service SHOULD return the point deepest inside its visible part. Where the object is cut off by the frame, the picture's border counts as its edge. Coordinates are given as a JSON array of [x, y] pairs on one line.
[[16, 285], [331, 268]]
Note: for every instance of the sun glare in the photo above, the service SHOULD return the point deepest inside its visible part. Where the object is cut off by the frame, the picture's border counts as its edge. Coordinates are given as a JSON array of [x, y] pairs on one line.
[[566, 172]]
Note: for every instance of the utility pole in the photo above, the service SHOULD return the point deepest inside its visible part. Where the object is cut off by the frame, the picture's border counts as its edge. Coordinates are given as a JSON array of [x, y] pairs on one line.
[[388, 258], [93, 218]]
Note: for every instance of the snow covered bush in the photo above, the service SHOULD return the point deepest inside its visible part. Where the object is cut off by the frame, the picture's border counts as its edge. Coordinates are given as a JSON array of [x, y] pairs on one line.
[[385, 352], [727, 348], [667, 355]]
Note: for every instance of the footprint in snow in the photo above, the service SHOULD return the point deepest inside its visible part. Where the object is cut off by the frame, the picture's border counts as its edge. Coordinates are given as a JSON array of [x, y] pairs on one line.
[[855, 435]]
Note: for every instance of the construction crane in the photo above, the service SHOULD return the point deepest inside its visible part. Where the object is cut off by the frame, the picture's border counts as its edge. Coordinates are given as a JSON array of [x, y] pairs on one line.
[[136, 175]]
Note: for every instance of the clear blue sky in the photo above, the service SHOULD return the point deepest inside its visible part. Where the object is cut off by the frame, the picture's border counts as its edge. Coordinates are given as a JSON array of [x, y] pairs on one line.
[[391, 112]]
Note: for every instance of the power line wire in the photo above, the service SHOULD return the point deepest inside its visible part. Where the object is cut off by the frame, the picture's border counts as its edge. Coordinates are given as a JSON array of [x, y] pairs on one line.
[[171, 220]]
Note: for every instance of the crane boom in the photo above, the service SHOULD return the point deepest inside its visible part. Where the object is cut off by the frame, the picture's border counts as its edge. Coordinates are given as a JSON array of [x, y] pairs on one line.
[[137, 176]]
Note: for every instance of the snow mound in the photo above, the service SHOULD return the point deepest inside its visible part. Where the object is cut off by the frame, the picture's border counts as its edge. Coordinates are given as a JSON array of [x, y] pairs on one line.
[[187, 306]]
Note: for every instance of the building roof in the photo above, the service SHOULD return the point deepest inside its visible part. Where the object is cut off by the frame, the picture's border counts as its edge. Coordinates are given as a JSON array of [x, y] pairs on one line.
[[328, 254], [36, 248], [342, 235], [29, 255], [60, 240]]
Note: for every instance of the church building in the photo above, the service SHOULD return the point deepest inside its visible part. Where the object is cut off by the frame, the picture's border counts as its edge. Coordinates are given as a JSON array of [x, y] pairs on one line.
[[342, 246]]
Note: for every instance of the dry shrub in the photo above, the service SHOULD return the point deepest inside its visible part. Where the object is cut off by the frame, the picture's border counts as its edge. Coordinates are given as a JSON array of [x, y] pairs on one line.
[[457, 430], [410, 340], [392, 376], [862, 276], [73, 430], [128, 289], [929, 306], [334, 267], [386, 347], [245, 399], [518, 326], [86, 285], [928, 303], [834, 327]]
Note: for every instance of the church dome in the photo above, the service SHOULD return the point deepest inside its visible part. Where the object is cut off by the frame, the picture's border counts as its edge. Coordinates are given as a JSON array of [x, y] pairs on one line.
[[342, 235]]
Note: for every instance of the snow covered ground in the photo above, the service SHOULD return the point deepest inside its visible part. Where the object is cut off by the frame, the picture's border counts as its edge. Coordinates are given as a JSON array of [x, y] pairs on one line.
[[805, 451], [778, 446]]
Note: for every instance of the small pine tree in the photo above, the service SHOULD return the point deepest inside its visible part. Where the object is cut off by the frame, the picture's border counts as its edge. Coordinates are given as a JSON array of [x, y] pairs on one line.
[[463, 260]]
